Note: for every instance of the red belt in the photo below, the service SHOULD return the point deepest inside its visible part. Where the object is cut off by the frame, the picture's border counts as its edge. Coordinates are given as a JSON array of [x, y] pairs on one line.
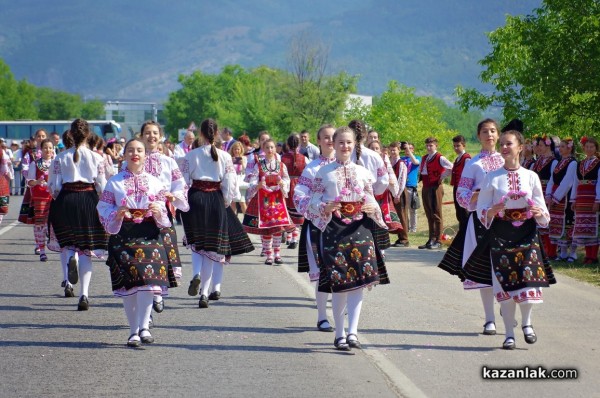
[[349, 209], [138, 216], [207, 186], [78, 186], [514, 215]]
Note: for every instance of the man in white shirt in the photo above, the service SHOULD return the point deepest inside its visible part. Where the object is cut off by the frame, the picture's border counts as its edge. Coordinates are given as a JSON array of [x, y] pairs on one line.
[[306, 148], [183, 147], [17, 154], [434, 168]]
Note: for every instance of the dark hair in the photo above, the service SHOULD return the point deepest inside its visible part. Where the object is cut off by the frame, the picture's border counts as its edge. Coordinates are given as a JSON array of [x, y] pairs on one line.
[[459, 139], [44, 141], [269, 140], [227, 131], [344, 129], [323, 127], [80, 130], [573, 147], [396, 144], [264, 132], [151, 123], [132, 140], [93, 140], [431, 140], [209, 129], [67, 139], [36, 133], [486, 121], [375, 142], [293, 142], [360, 130], [543, 139], [593, 141]]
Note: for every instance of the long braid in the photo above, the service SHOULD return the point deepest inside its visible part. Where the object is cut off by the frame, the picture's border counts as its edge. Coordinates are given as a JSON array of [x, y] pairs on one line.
[[208, 128], [293, 143], [80, 130], [359, 131]]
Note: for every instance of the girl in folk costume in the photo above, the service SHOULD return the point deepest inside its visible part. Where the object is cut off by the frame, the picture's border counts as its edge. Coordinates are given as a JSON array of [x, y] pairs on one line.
[[374, 163], [213, 232], [239, 164], [267, 214], [558, 194], [527, 159], [462, 157], [167, 171], [310, 235], [132, 209], [349, 259], [76, 179], [586, 198], [511, 205], [543, 167], [386, 199], [402, 201], [6, 174], [97, 145], [473, 233], [37, 181], [295, 163], [34, 153]]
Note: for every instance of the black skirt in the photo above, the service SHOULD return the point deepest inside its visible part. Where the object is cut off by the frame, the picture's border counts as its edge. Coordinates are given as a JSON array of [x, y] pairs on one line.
[[238, 238], [349, 257], [75, 220], [137, 256]]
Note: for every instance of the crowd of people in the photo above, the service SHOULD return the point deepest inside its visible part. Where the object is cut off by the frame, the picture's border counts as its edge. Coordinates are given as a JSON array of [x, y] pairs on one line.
[[338, 202]]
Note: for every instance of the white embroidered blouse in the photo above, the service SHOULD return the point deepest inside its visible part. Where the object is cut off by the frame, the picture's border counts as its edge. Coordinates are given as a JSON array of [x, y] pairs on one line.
[[89, 169], [199, 165], [342, 182], [134, 191], [374, 163], [167, 171], [473, 175], [520, 188], [303, 191]]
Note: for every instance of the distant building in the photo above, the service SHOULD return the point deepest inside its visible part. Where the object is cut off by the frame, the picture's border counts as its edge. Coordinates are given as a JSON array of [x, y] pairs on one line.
[[365, 100], [132, 114]]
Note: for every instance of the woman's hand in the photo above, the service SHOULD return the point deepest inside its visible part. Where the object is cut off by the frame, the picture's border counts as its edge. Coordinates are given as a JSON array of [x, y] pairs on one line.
[[330, 207], [368, 208], [474, 198], [536, 211], [495, 209], [154, 207], [170, 197], [123, 211]]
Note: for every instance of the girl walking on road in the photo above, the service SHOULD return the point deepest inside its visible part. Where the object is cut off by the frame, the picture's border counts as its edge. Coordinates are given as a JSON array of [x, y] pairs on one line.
[[341, 204], [132, 209], [295, 163], [511, 206], [75, 184], [6, 174]]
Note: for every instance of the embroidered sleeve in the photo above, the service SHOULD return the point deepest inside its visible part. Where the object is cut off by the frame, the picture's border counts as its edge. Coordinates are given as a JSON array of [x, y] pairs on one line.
[[185, 171], [537, 195], [393, 182], [302, 194], [252, 180], [464, 193], [376, 214], [316, 208], [567, 183], [179, 188], [485, 202], [100, 180], [55, 179], [285, 178], [107, 211], [402, 178], [383, 179], [162, 219], [229, 186]]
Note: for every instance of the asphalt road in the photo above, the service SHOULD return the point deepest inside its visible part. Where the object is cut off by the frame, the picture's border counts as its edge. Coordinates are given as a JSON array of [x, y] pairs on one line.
[[421, 335]]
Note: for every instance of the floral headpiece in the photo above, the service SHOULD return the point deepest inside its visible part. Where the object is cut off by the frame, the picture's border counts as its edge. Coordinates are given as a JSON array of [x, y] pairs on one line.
[[568, 141], [537, 138], [583, 140], [111, 140]]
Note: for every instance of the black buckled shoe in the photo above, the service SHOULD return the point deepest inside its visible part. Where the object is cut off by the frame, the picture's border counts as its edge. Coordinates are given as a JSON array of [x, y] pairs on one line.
[[324, 326], [203, 303], [341, 344], [72, 274], [214, 296], [530, 338], [69, 291], [148, 339], [293, 245], [83, 304], [353, 343], [194, 287], [158, 306], [509, 343], [489, 331]]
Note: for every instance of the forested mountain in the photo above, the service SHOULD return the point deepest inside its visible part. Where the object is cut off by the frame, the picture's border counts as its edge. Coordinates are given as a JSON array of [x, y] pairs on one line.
[[136, 49]]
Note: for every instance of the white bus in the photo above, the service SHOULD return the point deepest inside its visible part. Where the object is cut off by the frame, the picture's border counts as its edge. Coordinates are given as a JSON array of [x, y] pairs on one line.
[[25, 129]]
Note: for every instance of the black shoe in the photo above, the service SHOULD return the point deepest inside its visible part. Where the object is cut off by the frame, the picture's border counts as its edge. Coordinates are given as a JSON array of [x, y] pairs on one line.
[[353, 343], [341, 344], [134, 341], [72, 273], [203, 303], [194, 287], [63, 284], [435, 245], [489, 332], [69, 291], [322, 328], [146, 339], [214, 296], [293, 245], [278, 261], [158, 306], [426, 245], [509, 344], [530, 338], [84, 304], [401, 244], [269, 261]]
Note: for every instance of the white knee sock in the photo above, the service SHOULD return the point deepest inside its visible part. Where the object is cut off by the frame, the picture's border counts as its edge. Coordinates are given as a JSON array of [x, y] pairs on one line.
[[574, 251], [1, 218], [206, 275], [64, 260], [130, 305], [144, 308], [217, 276], [526, 309], [487, 299], [85, 274], [338, 304], [355, 298], [321, 303], [197, 260], [509, 308]]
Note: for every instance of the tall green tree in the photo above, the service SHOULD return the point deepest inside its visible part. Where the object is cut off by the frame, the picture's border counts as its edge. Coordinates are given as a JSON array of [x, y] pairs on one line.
[[545, 68], [16, 97]]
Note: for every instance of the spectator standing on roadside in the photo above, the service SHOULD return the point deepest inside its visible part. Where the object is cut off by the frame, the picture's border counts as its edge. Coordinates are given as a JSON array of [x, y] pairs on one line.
[[227, 138], [308, 149], [412, 163], [458, 143], [17, 155]]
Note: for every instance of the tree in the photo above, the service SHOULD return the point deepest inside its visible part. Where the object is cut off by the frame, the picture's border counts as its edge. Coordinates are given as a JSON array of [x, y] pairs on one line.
[[16, 97], [400, 115], [545, 69]]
